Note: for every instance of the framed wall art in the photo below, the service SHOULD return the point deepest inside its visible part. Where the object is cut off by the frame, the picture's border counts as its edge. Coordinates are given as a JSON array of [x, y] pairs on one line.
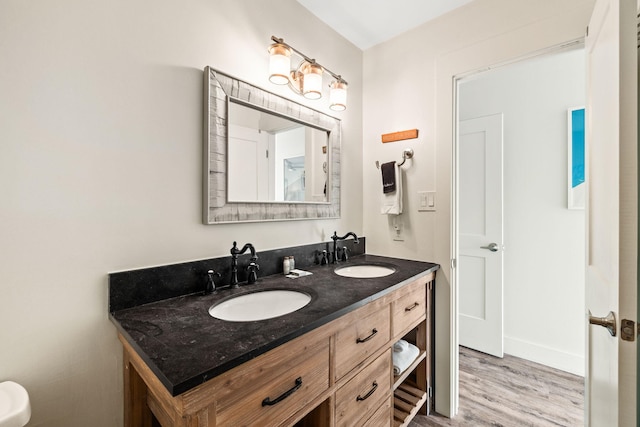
[[576, 155]]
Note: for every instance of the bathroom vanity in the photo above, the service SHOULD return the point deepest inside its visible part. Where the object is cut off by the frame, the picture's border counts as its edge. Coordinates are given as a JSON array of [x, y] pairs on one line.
[[326, 364]]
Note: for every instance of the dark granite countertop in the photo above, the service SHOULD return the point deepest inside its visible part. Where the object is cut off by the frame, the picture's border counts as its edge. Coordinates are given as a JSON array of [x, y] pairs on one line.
[[184, 346]]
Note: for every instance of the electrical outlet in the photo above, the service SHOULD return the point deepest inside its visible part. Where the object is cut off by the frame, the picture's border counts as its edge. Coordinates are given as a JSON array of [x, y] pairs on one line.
[[398, 235]]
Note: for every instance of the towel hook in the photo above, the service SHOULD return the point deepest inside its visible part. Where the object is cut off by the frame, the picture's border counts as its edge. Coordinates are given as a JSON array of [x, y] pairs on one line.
[[406, 154]]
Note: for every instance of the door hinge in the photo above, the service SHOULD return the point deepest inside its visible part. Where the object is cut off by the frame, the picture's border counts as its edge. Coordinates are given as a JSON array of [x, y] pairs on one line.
[[453, 263], [430, 392], [628, 330], [267, 153]]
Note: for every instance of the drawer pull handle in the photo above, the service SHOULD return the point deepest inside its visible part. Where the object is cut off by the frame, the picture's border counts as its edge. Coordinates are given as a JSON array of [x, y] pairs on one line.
[[268, 402], [368, 395], [415, 304], [373, 334]]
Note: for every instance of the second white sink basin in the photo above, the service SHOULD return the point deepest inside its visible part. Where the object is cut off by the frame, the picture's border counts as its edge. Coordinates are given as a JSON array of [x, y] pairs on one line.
[[259, 305], [364, 271]]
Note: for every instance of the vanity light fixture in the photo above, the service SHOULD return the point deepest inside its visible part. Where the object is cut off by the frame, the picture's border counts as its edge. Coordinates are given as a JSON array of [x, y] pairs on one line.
[[306, 79]]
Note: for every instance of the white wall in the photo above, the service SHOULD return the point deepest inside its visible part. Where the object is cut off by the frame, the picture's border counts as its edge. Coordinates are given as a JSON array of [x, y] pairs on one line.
[[100, 148], [408, 83], [544, 257]]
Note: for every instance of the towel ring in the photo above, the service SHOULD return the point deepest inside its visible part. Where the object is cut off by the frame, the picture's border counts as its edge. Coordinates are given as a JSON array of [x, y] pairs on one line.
[[406, 154]]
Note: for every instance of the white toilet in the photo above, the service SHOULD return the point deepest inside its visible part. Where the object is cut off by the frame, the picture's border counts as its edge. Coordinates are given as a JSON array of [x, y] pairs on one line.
[[15, 409]]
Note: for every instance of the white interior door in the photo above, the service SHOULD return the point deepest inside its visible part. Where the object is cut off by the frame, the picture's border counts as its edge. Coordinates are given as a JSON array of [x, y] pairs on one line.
[[248, 147], [612, 233], [480, 255]]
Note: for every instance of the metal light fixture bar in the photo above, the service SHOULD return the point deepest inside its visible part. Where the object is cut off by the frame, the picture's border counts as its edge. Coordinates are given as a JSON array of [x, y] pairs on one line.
[[310, 60], [306, 79]]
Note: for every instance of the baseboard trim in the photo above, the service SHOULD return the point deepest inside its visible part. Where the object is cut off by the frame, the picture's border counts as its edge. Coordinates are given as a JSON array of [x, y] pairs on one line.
[[568, 362]]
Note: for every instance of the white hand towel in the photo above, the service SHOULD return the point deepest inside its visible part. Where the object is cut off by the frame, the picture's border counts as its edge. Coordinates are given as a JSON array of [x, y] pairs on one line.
[[401, 345], [404, 358], [392, 202]]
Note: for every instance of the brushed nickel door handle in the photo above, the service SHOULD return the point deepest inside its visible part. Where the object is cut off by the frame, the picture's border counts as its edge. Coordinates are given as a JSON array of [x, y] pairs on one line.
[[493, 247], [608, 322]]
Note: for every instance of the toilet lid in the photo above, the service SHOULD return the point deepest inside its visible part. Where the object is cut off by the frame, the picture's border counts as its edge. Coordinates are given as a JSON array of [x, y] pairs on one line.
[[15, 409]]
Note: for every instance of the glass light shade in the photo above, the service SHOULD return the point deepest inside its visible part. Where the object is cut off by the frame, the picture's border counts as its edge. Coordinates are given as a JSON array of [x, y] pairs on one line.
[[279, 64], [338, 96], [312, 81]]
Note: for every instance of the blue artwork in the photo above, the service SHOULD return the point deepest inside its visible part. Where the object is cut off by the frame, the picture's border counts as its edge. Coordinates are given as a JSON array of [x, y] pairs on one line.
[[577, 147]]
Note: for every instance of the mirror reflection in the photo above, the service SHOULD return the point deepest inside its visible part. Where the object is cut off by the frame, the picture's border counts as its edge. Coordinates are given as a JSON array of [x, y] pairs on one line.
[[274, 159]]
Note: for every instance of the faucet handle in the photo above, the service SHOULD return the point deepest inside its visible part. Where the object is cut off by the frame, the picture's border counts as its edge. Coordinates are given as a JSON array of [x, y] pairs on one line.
[[324, 260], [344, 253], [252, 268], [211, 284]]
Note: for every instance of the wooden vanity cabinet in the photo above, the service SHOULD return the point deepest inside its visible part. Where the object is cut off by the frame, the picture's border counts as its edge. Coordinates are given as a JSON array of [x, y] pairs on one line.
[[340, 374]]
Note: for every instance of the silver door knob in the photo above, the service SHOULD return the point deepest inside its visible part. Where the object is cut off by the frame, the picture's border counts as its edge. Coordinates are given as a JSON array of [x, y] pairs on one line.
[[493, 247], [608, 322]]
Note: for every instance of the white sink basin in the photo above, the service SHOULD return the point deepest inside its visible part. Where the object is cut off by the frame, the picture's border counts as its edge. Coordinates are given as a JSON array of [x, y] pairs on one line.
[[15, 409], [364, 271], [259, 305]]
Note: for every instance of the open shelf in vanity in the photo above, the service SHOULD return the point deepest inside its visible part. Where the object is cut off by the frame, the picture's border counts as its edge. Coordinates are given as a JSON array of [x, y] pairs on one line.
[[412, 389]]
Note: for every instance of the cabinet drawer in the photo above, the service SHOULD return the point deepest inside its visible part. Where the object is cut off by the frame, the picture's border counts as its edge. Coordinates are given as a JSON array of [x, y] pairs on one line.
[[409, 308], [361, 396], [361, 338], [275, 386], [381, 418]]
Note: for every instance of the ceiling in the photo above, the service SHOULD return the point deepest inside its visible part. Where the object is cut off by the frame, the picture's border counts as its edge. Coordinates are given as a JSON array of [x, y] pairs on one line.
[[366, 23]]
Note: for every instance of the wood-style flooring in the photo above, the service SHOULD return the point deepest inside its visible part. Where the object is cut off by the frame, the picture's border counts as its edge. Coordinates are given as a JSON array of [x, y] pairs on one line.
[[512, 392]]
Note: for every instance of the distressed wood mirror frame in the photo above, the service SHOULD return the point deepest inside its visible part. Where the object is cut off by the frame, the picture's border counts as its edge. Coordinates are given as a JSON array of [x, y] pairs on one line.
[[219, 87]]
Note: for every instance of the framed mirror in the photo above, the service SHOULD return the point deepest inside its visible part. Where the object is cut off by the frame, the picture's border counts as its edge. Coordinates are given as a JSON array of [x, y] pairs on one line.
[[266, 158]]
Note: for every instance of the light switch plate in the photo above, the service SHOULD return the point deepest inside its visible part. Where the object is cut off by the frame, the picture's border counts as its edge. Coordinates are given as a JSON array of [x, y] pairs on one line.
[[426, 201]]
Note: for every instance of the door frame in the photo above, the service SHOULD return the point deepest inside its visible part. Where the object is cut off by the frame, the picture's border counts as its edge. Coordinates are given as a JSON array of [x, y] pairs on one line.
[[454, 237]]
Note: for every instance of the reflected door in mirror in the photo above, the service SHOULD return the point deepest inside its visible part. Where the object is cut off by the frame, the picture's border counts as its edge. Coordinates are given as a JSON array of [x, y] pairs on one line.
[[275, 159]]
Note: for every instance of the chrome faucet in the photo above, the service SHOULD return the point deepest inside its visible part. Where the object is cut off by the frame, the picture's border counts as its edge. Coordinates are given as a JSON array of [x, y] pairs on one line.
[[252, 268], [334, 254]]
